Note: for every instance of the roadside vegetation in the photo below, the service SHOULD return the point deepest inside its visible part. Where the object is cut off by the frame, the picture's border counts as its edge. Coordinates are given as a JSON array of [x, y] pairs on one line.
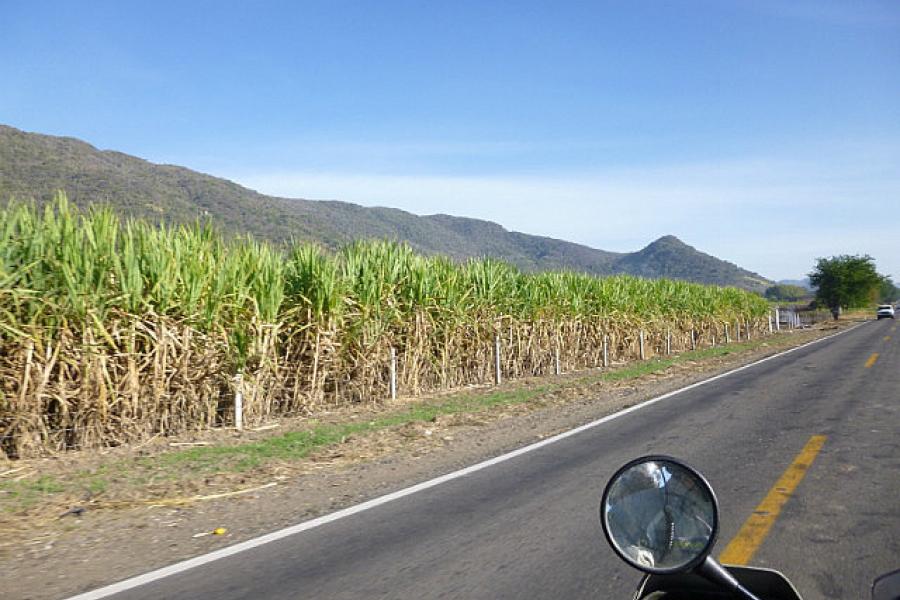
[[788, 293], [888, 292], [164, 473], [848, 282], [115, 332]]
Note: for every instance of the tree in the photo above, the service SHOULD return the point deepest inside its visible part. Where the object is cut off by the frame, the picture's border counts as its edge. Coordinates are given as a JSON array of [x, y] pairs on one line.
[[786, 293], [845, 282], [888, 292]]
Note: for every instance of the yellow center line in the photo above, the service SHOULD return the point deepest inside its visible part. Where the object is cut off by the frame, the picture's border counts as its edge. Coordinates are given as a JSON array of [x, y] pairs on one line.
[[755, 529], [872, 360]]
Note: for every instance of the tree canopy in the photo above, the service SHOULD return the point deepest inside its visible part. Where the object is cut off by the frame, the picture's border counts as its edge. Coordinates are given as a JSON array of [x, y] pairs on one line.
[[888, 292], [846, 281], [787, 293]]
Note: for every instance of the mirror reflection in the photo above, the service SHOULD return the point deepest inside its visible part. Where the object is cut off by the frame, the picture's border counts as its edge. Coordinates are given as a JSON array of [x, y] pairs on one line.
[[660, 515]]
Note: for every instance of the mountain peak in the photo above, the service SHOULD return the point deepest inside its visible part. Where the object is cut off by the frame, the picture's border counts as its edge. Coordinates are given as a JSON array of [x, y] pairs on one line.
[[667, 241], [670, 257]]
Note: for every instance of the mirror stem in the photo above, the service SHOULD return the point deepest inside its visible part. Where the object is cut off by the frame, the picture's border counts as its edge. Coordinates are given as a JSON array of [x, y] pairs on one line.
[[712, 571]]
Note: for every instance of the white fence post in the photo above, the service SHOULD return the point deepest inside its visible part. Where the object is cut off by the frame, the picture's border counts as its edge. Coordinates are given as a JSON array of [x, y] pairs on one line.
[[393, 373], [239, 402], [556, 359], [497, 376], [693, 340], [727, 337], [777, 319], [605, 350], [641, 338], [668, 342]]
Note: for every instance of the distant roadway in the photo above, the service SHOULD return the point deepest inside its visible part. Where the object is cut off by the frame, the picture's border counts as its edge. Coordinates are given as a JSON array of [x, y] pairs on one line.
[[527, 527]]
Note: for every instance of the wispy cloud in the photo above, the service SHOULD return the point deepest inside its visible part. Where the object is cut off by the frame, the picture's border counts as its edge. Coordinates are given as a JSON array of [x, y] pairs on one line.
[[421, 157], [770, 215]]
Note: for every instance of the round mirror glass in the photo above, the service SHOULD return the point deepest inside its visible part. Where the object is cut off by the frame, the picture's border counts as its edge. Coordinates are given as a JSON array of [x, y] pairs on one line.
[[659, 515]]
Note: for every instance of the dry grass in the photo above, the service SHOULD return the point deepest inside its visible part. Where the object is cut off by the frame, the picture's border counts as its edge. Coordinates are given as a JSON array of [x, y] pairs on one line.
[[111, 334]]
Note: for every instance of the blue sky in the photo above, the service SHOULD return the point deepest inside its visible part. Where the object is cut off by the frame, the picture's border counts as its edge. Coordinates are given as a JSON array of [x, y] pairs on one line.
[[763, 132]]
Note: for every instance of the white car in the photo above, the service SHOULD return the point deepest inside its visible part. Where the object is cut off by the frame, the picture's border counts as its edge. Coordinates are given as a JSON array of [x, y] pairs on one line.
[[885, 310]]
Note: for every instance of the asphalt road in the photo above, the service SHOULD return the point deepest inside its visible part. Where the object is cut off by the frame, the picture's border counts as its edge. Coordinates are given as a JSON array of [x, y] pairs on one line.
[[528, 528]]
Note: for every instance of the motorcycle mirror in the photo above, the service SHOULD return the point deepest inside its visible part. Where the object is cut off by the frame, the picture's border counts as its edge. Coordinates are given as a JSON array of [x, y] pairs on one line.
[[887, 587], [659, 515]]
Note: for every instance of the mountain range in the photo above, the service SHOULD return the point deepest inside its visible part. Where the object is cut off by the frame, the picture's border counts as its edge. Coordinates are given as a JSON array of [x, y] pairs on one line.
[[35, 166]]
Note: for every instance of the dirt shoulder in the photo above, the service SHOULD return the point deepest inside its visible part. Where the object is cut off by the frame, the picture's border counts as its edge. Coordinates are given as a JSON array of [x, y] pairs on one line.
[[85, 519]]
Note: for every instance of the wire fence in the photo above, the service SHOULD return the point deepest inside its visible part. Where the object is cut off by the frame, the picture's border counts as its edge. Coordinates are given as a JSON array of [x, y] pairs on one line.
[[661, 343]]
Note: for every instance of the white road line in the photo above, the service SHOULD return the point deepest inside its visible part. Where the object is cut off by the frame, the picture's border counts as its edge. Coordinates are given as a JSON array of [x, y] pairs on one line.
[[203, 559]]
